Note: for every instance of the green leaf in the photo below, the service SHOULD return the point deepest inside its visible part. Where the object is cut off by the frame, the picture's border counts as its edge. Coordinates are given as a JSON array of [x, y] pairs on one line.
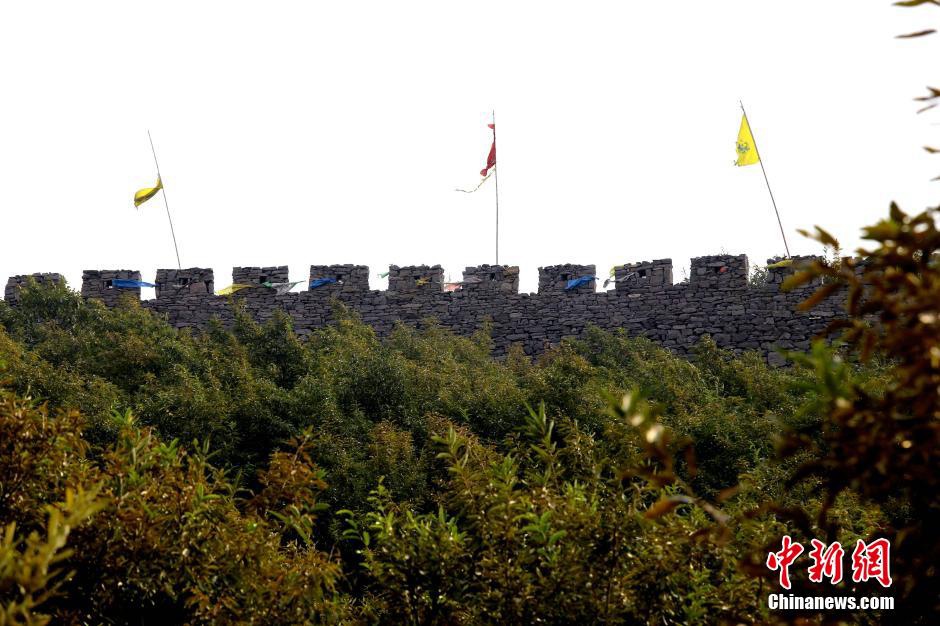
[[555, 536]]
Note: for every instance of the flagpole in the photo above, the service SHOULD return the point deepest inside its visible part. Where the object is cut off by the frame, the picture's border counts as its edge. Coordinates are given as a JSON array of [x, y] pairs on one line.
[[496, 180], [761, 161], [167, 204]]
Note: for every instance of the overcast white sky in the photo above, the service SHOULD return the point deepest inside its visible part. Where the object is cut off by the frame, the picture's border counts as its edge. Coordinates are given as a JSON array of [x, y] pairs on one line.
[[311, 132]]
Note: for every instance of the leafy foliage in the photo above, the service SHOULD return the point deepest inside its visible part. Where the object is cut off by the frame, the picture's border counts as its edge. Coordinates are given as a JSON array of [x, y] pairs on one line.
[[930, 99], [406, 478], [160, 535], [885, 446]]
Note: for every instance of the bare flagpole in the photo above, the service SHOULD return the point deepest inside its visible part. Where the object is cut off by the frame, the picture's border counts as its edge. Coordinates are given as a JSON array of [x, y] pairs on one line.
[[167, 204], [496, 180], [761, 161]]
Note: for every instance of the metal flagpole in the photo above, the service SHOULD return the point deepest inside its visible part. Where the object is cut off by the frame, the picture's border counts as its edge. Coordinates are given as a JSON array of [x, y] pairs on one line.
[[761, 161], [167, 204], [496, 178]]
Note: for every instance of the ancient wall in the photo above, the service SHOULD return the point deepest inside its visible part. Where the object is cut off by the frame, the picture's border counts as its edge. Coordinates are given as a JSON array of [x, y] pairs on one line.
[[15, 283], [100, 284], [716, 301]]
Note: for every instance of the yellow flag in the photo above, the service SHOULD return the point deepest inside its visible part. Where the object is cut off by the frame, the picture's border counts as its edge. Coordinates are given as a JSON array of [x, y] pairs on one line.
[[147, 192], [232, 289], [747, 151]]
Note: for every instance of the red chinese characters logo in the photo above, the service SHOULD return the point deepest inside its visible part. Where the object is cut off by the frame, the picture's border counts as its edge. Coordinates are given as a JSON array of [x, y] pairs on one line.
[[872, 561], [869, 561], [827, 562], [784, 559]]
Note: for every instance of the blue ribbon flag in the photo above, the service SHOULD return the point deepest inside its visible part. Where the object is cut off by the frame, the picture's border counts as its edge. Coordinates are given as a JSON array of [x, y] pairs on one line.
[[319, 282], [577, 282], [126, 283]]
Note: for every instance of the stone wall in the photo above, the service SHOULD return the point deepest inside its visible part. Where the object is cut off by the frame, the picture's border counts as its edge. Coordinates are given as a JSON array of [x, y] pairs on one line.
[[554, 279], [15, 283], [99, 284], [177, 283], [716, 301], [649, 275]]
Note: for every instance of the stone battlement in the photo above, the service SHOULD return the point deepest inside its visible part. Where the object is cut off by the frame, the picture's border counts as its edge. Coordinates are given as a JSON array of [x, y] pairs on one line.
[[716, 300]]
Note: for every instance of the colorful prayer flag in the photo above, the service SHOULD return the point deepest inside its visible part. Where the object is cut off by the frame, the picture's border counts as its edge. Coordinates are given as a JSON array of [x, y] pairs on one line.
[[126, 283], [281, 288], [147, 192], [319, 282], [232, 289], [490, 163], [747, 149], [491, 158], [577, 282]]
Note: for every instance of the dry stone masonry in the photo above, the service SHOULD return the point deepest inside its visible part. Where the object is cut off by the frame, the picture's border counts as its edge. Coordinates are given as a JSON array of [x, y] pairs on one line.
[[177, 283], [99, 284], [15, 283], [716, 300]]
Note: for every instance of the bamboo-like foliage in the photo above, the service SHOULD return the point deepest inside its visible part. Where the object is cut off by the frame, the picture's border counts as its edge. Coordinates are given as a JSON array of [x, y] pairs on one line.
[[884, 446]]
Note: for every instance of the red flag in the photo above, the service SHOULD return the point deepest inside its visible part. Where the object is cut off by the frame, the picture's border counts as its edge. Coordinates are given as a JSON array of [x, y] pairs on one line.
[[491, 159]]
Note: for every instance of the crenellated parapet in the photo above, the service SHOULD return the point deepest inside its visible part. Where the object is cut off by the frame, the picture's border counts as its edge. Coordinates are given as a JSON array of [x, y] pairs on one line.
[[192, 281], [16, 283], [721, 272], [415, 279], [339, 278], [99, 284], [491, 278], [644, 276], [259, 275], [716, 301], [557, 278]]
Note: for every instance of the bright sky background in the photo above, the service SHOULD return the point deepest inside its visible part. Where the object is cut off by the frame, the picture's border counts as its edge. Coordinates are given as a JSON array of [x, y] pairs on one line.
[[311, 132]]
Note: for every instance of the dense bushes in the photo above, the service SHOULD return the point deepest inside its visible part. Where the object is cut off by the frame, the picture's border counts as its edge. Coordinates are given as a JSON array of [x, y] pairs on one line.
[[246, 390], [244, 475], [882, 443], [157, 534], [545, 532]]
